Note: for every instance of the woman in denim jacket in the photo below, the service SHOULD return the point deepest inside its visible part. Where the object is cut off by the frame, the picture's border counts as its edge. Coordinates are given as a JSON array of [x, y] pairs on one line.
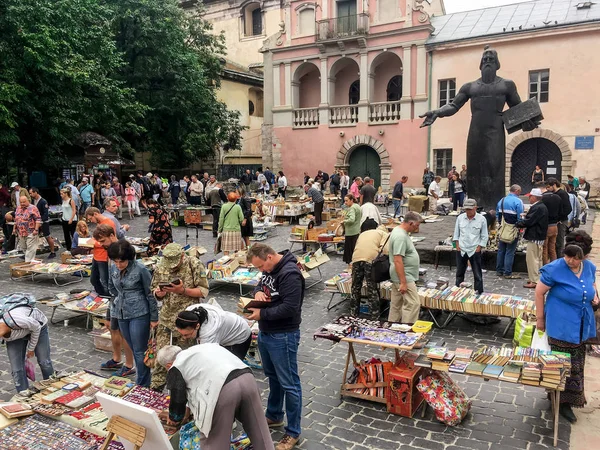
[[134, 305]]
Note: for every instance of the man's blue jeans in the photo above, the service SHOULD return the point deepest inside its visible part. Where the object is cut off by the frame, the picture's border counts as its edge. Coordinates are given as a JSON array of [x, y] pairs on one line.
[[397, 204], [17, 352], [99, 278], [84, 206], [279, 354], [137, 332], [506, 257]]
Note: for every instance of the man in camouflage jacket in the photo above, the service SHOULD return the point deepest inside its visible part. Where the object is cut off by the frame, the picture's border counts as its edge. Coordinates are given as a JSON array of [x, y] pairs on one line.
[[175, 264]]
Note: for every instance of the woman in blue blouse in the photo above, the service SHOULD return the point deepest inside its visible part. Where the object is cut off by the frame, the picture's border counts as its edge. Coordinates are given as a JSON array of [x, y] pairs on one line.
[[569, 285], [134, 305]]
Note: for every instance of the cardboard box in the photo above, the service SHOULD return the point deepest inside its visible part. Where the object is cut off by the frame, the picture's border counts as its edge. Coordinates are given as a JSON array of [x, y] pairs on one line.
[[16, 269], [64, 256], [313, 233]]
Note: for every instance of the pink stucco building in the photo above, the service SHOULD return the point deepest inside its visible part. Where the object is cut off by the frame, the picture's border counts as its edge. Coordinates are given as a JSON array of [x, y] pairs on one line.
[[346, 80]]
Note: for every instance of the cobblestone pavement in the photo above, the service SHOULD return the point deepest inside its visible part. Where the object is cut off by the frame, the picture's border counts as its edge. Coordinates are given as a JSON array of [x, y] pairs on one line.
[[504, 415]]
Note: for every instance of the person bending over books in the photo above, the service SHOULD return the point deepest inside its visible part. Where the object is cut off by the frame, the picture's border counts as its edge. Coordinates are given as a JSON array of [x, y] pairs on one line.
[[566, 314], [210, 324], [24, 328], [218, 389]]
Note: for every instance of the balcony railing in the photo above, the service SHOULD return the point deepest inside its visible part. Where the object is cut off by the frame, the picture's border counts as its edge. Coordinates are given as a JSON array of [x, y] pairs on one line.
[[384, 112], [343, 115], [306, 117], [345, 26]]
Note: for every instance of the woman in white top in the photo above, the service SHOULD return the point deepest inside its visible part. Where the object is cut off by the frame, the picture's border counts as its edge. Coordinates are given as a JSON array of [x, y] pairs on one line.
[[210, 324], [69, 216], [281, 184]]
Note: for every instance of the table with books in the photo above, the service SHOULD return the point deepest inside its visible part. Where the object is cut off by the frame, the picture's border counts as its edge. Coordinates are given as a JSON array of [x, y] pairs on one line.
[[54, 270], [84, 303]]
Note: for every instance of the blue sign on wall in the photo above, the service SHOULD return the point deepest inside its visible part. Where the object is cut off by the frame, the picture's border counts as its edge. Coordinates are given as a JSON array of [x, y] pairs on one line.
[[584, 142]]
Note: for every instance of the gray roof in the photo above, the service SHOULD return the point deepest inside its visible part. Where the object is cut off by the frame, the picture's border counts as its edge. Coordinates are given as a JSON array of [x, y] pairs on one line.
[[512, 18]]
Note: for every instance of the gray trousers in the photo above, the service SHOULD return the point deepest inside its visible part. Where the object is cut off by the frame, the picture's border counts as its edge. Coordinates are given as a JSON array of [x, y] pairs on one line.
[[29, 245], [239, 399]]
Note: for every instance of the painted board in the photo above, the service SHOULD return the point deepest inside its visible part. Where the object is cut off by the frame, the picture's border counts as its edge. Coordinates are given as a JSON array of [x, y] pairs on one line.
[[156, 438]]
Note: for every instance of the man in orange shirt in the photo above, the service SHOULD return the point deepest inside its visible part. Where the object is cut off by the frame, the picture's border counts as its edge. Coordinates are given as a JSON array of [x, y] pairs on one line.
[[104, 235]]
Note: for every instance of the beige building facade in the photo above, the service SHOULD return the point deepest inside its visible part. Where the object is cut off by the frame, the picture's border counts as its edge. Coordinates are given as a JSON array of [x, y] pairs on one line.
[[550, 55]]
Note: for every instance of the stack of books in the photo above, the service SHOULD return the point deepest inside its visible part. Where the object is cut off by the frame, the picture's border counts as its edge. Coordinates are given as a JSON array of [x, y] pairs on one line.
[[531, 373], [511, 372], [462, 358], [440, 358], [553, 371]]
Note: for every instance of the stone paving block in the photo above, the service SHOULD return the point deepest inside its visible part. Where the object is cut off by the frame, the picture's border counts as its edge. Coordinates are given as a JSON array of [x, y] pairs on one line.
[[429, 445], [337, 443], [345, 433], [380, 444]]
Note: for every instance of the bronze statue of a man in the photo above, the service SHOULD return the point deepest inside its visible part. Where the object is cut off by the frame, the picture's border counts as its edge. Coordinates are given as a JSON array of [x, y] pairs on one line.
[[486, 147]]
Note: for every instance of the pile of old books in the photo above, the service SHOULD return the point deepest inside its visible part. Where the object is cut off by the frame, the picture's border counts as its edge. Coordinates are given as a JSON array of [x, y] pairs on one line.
[[463, 299], [554, 368]]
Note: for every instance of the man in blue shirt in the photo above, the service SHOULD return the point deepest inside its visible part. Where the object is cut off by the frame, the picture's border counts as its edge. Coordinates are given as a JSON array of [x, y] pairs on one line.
[[470, 237], [86, 191], [510, 208]]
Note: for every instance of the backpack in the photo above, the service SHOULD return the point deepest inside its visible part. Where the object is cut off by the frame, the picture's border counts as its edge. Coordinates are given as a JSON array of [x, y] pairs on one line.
[[13, 301]]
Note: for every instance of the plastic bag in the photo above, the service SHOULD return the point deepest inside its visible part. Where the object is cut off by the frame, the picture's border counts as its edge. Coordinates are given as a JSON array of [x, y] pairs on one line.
[[540, 341], [30, 369], [524, 329]]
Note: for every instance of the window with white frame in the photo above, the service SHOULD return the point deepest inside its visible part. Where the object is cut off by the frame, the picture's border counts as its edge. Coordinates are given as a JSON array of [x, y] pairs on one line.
[[252, 18], [443, 161], [539, 85], [447, 91], [306, 21]]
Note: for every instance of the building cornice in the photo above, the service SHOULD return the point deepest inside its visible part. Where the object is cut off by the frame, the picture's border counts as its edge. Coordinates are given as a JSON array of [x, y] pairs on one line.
[[242, 77]]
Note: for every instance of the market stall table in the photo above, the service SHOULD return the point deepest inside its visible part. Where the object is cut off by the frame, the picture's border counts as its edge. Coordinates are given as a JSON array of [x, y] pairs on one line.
[[53, 270], [81, 304]]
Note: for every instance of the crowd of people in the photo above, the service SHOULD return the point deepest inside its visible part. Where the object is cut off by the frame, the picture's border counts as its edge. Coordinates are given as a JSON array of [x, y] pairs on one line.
[[192, 332]]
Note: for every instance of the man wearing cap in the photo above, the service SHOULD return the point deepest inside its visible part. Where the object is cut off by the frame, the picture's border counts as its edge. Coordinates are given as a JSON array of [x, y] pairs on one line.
[[191, 284], [536, 228], [16, 194], [87, 194], [508, 209], [405, 303], [470, 237]]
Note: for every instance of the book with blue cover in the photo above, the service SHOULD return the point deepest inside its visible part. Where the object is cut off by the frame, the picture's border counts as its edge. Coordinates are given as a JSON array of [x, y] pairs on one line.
[[492, 371]]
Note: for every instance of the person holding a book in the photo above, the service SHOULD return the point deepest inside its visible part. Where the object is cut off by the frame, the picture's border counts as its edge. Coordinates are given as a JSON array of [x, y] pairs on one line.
[[282, 289], [81, 232], [565, 299], [218, 389], [206, 323]]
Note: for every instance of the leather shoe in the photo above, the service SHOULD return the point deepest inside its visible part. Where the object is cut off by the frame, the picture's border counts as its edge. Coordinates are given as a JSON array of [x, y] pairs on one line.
[[566, 411], [287, 442]]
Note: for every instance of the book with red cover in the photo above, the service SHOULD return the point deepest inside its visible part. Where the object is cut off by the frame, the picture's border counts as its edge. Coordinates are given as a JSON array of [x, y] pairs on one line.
[[247, 302]]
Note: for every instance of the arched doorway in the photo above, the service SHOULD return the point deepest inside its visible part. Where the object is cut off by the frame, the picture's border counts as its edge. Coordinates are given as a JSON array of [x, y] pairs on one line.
[[532, 152], [364, 162]]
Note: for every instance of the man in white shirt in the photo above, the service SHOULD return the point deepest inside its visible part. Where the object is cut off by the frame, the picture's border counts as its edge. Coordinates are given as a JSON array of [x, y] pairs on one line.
[[470, 237], [196, 190], [344, 184], [434, 194]]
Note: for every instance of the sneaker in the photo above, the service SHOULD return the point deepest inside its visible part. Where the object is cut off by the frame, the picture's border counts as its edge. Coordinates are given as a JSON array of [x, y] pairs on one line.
[[52, 255], [124, 371], [287, 442], [111, 364], [25, 393], [274, 423]]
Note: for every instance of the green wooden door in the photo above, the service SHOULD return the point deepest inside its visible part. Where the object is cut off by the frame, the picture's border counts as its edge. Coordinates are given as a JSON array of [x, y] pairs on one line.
[[364, 162]]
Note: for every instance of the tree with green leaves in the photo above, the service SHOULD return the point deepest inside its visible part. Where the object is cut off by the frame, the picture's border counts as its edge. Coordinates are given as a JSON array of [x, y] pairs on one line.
[[173, 63]]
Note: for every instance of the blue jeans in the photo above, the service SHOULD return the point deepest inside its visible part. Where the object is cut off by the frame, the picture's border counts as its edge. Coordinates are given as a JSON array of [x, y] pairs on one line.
[[506, 256], [84, 206], [397, 204], [137, 332], [457, 200], [279, 354], [17, 352], [99, 278]]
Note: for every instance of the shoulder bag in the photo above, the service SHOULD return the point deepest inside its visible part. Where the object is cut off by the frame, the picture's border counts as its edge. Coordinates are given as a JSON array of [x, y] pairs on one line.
[[380, 266], [507, 232]]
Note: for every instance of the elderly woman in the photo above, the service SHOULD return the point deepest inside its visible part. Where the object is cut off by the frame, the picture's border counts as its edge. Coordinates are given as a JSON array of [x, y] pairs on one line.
[[209, 323], [352, 217], [231, 220], [565, 298], [134, 305], [160, 228]]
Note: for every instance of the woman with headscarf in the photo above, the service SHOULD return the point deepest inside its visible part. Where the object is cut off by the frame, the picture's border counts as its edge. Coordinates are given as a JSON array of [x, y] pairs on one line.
[[231, 220], [565, 299], [160, 228]]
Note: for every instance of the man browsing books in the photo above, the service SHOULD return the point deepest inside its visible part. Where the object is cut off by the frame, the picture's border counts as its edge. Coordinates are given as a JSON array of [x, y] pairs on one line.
[[279, 336]]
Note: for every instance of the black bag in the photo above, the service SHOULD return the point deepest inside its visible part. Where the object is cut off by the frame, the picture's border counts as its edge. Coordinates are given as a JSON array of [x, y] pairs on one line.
[[380, 267]]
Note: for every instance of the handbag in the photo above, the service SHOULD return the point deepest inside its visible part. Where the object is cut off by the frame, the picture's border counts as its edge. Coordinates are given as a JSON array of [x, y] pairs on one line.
[[507, 232], [373, 375], [380, 266], [150, 355]]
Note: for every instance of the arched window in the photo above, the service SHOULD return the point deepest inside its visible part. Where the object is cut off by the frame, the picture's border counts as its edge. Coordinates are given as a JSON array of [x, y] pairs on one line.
[[250, 107], [394, 89], [306, 21], [252, 20], [354, 93]]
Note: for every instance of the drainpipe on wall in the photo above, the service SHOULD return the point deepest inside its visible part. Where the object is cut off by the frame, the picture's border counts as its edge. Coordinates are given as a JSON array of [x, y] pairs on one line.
[[429, 108]]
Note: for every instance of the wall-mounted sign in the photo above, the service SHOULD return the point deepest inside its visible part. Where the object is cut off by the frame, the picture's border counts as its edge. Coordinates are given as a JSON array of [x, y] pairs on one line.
[[551, 171], [550, 163], [584, 142]]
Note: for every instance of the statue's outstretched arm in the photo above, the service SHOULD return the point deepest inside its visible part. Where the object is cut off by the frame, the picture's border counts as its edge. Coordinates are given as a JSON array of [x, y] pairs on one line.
[[447, 110]]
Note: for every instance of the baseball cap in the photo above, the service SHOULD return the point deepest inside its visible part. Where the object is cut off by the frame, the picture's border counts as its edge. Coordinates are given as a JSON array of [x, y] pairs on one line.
[[536, 192], [131, 176], [149, 174], [85, 179], [13, 184], [470, 204], [171, 255]]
